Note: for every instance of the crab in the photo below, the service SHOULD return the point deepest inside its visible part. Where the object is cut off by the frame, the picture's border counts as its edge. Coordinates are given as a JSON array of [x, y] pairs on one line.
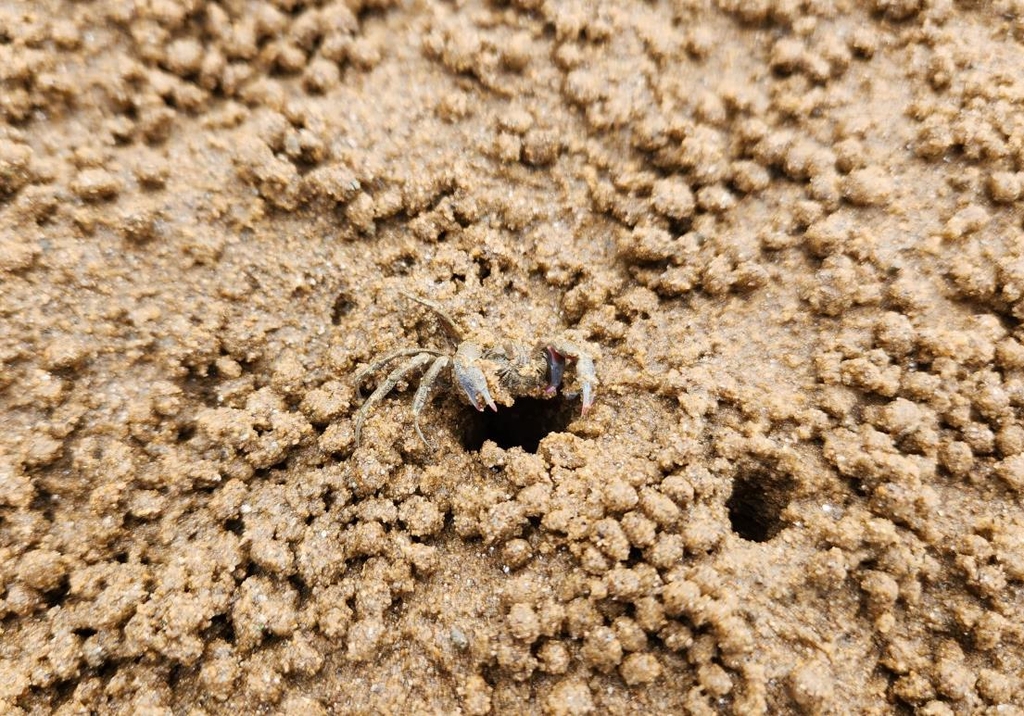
[[486, 371]]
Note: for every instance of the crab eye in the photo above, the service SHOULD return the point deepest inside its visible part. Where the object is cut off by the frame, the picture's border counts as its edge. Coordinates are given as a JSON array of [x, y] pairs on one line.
[[556, 367]]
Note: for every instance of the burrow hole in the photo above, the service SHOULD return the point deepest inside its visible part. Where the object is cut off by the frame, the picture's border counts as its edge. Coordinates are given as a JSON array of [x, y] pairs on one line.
[[342, 306], [524, 424], [755, 506]]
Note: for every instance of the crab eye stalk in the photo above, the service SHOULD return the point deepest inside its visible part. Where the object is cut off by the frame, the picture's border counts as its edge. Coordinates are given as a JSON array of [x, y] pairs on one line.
[[556, 369]]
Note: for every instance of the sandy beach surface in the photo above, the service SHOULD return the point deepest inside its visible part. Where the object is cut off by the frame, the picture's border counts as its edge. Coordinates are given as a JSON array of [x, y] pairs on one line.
[[788, 232]]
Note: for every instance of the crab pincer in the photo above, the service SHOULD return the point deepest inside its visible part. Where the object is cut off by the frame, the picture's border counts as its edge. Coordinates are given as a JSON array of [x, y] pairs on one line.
[[470, 376], [557, 354]]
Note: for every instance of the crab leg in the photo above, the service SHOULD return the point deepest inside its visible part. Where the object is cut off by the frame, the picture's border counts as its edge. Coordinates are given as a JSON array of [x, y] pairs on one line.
[[558, 353], [471, 378], [387, 385], [423, 392], [449, 323], [387, 358]]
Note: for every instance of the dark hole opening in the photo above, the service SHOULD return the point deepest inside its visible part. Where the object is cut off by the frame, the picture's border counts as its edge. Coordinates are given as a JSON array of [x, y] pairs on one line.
[[343, 305], [63, 691], [186, 433], [221, 627], [174, 677], [756, 504], [524, 424], [58, 594], [483, 268], [329, 499], [300, 586]]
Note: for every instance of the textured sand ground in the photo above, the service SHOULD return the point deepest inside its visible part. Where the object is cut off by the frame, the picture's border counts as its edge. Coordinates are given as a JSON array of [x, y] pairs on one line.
[[792, 232]]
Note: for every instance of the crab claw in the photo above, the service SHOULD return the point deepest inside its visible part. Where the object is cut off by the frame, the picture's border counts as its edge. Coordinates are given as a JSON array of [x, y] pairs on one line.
[[557, 354], [587, 377], [474, 385], [471, 378]]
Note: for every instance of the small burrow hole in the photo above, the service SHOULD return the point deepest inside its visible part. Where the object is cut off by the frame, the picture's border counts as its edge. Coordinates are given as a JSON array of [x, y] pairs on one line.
[[343, 305], [221, 627], [185, 433], [174, 677], [483, 268], [58, 594], [756, 504], [524, 424]]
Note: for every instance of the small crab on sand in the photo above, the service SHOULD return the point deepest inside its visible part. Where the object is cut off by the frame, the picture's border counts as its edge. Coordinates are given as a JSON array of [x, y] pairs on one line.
[[488, 371]]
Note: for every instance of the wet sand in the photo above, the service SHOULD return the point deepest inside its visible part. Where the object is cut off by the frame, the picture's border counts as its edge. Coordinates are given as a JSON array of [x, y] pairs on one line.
[[789, 233]]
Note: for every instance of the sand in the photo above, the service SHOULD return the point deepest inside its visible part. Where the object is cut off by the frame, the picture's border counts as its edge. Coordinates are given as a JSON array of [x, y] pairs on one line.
[[790, 233]]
